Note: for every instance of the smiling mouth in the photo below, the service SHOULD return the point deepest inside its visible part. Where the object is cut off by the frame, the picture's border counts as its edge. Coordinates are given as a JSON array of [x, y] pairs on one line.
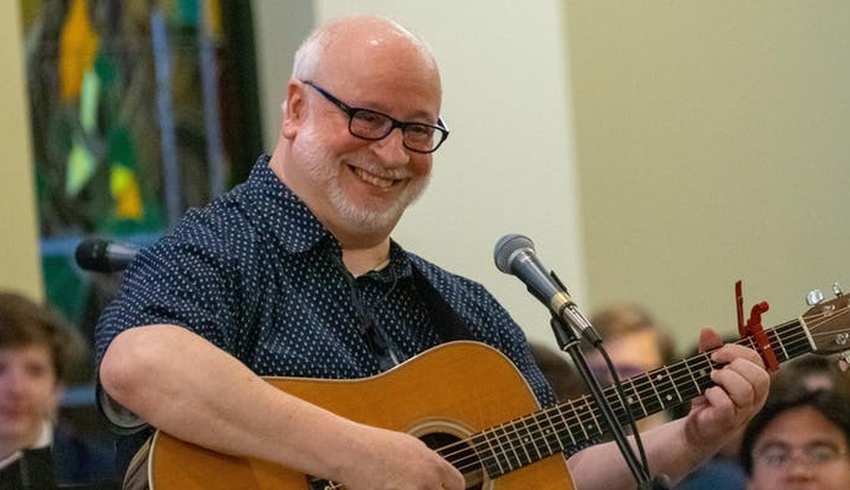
[[373, 179]]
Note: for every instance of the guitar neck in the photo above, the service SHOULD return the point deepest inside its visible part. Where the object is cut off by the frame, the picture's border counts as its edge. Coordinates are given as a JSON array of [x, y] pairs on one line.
[[579, 422]]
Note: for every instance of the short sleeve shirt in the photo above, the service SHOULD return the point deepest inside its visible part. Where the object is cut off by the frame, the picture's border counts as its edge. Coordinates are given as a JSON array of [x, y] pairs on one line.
[[258, 275]]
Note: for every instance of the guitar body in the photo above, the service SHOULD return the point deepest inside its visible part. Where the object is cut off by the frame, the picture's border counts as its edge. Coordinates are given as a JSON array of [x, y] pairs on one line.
[[451, 391]]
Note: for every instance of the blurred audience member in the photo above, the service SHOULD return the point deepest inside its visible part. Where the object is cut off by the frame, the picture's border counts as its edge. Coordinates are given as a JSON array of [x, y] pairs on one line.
[[38, 355], [799, 440], [810, 372], [636, 341], [559, 371], [805, 374]]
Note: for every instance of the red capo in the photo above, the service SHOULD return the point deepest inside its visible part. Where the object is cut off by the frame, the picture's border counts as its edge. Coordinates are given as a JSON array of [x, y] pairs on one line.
[[754, 330]]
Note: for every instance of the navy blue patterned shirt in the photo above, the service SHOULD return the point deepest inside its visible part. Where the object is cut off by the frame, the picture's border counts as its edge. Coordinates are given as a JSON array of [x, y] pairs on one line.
[[259, 276]]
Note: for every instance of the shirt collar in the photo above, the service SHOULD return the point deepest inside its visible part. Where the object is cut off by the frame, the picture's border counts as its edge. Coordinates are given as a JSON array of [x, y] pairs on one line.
[[45, 438], [285, 217], [290, 222]]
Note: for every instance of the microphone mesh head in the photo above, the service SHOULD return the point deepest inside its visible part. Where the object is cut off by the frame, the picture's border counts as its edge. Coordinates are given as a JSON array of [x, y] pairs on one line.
[[505, 249]]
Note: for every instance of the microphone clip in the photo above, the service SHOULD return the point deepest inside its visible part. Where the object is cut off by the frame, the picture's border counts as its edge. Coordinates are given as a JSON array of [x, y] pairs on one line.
[[565, 310]]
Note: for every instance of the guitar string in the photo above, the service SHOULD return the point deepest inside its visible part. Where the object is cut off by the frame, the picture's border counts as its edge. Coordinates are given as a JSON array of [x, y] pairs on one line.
[[653, 390], [515, 435], [589, 414], [644, 384]]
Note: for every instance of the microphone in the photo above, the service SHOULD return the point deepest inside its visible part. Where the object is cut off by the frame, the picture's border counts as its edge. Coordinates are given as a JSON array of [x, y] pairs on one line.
[[515, 255], [102, 255]]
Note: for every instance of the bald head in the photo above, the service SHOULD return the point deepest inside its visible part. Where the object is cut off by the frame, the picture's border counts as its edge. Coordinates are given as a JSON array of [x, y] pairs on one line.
[[366, 43]]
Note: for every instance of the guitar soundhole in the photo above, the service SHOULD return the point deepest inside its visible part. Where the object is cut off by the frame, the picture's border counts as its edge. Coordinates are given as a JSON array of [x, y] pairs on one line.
[[319, 484], [459, 454]]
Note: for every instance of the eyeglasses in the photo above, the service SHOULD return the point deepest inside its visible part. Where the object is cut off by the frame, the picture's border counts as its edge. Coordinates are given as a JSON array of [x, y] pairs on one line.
[[373, 126], [779, 455]]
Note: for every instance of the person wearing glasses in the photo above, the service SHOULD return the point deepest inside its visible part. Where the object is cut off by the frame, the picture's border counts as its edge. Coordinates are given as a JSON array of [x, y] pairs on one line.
[[799, 440], [294, 273]]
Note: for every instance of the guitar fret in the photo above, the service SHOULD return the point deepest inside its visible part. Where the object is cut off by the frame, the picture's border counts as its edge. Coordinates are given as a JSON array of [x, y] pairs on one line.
[[491, 460], [521, 435], [670, 395], [577, 417], [630, 400], [657, 395], [703, 371], [543, 430], [683, 380], [536, 443], [550, 433], [595, 427], [511, 457], [644, 391], [691, 374], [781, 345], [566, 422], [673, 390]]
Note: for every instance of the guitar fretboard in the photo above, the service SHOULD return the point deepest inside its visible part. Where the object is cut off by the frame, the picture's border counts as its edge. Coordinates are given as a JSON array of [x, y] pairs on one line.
[[576, 423]]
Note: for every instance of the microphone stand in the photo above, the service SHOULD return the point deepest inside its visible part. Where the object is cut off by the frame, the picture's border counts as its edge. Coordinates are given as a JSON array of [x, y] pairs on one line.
[[568, 341]]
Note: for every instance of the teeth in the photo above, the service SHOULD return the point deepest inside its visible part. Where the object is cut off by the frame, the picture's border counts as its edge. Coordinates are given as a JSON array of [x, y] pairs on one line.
[[374, 179]]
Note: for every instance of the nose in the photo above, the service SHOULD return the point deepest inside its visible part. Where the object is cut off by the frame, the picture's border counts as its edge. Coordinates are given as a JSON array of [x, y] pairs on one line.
[[391, 148], [798, 469]]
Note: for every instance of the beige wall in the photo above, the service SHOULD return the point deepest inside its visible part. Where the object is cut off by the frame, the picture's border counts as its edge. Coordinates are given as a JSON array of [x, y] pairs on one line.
[[712, 142], [275, 48], [19, 263]]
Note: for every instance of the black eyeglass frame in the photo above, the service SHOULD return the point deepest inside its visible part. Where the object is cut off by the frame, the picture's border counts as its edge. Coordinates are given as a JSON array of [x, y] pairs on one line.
[[351, 112]]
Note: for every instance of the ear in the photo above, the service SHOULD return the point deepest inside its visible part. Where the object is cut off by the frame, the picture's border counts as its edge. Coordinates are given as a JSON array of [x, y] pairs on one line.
[[294, 109]]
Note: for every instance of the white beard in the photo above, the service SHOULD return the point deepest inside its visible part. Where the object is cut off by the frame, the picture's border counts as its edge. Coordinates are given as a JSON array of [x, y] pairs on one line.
[[324, 171]]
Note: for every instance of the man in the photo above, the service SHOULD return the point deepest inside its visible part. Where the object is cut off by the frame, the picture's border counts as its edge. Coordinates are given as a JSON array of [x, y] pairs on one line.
[[799, 440], [294, 273]]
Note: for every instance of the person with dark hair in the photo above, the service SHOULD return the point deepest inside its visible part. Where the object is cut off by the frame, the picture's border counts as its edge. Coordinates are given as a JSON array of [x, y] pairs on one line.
[[810, 372], [799, 440], [559, 372], [39, 354]]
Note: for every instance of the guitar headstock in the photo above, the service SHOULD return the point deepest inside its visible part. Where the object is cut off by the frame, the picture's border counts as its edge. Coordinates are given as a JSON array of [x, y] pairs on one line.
[[828, 322]]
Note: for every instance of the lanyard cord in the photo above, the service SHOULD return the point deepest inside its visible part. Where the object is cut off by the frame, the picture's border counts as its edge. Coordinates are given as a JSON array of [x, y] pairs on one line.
[[376, 337], [381, 344]]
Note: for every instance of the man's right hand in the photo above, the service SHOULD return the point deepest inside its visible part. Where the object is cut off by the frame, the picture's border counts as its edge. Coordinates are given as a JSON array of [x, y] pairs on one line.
[[389, 460]]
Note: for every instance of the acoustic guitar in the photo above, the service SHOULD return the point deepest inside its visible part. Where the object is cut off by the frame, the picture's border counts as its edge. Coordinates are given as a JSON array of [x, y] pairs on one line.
[[471, 404]]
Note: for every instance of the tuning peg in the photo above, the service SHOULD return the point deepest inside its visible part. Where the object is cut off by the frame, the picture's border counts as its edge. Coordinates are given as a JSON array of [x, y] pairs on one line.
[[815, 297], [836, 289]]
